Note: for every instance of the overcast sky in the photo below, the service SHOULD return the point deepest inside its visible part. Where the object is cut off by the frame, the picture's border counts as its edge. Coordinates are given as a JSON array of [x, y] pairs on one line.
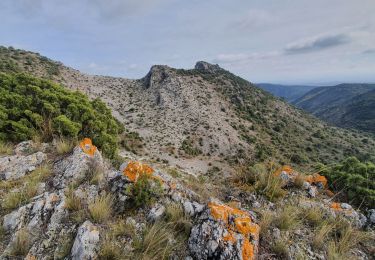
[[279, 41]]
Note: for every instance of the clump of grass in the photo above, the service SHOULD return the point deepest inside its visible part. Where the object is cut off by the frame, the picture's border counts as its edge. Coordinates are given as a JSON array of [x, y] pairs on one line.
[[332, 251], [267, 183], [6, 148], [280, 248], [288, 218], [72, 201], [350, 238], [21, 245], [322, 233], [265, 222], [313, 215], [175, 215], [101, 209], [121, 228], [155, 243], [95, 172], [64, 146], [110, 250], [64, 246], [299, 180], [13, 200]]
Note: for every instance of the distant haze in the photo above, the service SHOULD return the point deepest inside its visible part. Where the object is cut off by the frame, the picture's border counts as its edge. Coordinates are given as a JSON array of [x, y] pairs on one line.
[[289, 42]]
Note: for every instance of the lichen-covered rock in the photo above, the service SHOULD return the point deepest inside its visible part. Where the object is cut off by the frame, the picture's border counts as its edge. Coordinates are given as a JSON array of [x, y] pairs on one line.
[[74, 167], [16, 166], [156, 213], [223, 232], [371, 216], [86, 243]]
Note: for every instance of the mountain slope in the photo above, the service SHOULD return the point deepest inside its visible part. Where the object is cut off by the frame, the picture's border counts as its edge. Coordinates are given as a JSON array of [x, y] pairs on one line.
[[345, 105], [206, 118], [289, 92]]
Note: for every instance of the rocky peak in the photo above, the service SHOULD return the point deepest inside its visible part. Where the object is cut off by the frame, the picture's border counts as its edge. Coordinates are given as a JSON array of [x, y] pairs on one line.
[[157, 74], [207, 67]]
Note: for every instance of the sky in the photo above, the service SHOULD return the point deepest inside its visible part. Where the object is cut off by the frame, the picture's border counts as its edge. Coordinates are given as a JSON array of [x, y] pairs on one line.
[[277, 41]]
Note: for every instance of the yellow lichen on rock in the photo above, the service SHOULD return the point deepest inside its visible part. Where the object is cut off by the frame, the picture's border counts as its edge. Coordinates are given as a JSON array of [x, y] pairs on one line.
[[87, 147], [317, 178], [286, 168], [236, 221], [135, 169], [336, 206]]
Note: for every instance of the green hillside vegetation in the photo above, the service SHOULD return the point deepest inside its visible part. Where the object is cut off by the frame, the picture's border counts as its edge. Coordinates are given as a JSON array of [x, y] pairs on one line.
[[32, 107], [355, 179], [344, 105]]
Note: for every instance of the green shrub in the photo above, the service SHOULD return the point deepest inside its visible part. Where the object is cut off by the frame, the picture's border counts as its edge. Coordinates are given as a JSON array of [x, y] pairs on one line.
[[145, 191], [355, 178], [31, 106]]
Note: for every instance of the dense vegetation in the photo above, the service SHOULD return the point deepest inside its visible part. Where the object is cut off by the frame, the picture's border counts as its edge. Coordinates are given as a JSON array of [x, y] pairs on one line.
[[31, 107], [355, 179]]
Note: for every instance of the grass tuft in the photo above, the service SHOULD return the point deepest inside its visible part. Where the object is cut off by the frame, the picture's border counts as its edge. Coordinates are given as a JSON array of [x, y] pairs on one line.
[[288, 218], [101, 209], [64, 146], [6, 148], [21, 245]]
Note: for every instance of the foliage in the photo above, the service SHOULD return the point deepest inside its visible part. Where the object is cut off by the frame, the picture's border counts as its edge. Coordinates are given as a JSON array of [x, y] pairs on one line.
[[101, 209], [355, 178], [30, 106], [145, 190], [189, 148]]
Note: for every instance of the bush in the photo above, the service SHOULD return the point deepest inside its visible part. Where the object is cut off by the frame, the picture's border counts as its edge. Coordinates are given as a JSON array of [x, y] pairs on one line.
[[145, 191], [30, 106], [355, 178]]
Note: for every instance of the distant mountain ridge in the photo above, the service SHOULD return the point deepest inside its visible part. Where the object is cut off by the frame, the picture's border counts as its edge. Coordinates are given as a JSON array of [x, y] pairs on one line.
[[288, 92], [344, 105]]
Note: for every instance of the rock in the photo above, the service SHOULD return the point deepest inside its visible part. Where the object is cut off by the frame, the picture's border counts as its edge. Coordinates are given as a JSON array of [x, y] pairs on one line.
[[16, 166], [12, 220], [306, 185], [346, 206], [192, 208], [156, 213], [312, 191], [276, 234], [86, 243], [223, 232], [371, 216]]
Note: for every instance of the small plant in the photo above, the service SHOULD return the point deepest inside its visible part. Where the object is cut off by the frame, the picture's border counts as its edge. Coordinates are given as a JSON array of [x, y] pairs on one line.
[[145, 190], [280, 248], [101, 209], [22, 243], [349, 239], [110, 250], [265, 222], [313, 215], [64, 146], [13, 200], [267, 183], [322, 233], [72, 201], [64, 247], [288, 218], [6, 148], [155, 243], [121, 228], [175, 215], [95, 172]]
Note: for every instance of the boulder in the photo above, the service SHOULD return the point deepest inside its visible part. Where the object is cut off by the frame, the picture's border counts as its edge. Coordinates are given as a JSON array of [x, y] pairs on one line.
[[86, 243], [223, 232]]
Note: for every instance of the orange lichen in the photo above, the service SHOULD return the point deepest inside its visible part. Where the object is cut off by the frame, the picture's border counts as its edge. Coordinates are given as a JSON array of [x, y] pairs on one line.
[[247, 250], [87, 146], [317, 178], [135, 169], [329, 193], [286, 168], [242, 224], [336, 206]]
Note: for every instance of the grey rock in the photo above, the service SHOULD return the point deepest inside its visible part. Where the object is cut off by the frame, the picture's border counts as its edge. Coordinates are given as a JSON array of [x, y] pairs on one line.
[[371, 216], [156, 213], [276, 234], [346, 206], [16, 166], [312, 191], [86, 243]]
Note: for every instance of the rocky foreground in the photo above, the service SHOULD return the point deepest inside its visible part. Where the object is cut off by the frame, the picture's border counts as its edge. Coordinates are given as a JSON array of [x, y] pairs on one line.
[[75, 205]]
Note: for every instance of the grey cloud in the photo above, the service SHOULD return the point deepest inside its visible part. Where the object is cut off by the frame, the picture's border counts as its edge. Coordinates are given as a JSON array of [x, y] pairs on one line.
[[317, 43], [369, 51]]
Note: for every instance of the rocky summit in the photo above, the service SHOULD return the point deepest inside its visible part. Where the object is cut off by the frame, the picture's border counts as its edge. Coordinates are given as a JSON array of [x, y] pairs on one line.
[[77, 206]]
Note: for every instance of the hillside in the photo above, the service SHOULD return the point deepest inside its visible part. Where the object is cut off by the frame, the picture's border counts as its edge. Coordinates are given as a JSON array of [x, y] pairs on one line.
[[203, 119], [288, 92], [344, 105]]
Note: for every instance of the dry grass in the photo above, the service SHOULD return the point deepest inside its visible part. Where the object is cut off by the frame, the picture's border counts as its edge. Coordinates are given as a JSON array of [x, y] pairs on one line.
[[156, 242], [299, 180], [95, 173], [322, 233], [269, 184], [13, 200], [21, 244], [110, 250], [101, 209], [280, 248], [175, 215], [72, 201], [313, 215], [64, 146], [64, 247], [121, 228], [266, 221], [349, 239], [6, 148], [288, 218]]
